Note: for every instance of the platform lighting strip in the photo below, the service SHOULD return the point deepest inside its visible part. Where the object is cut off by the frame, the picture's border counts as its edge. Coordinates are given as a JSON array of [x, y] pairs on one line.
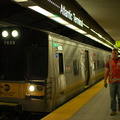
[[101, 36], [21, 0], [63, 22], [97, 40], [56, 18]]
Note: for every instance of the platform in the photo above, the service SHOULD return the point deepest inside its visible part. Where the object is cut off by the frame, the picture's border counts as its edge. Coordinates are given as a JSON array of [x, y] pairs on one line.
[[92, 104]]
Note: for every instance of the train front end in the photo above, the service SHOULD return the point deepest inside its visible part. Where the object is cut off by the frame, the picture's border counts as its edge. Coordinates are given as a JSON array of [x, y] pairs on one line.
[[23, 69]]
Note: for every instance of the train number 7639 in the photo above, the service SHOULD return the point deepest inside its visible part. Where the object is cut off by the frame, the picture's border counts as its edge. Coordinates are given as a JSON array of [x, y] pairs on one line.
[[9, 42]]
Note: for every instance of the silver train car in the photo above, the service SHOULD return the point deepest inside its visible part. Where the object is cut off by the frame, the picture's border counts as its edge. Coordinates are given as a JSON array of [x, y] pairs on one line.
[[40, 70]]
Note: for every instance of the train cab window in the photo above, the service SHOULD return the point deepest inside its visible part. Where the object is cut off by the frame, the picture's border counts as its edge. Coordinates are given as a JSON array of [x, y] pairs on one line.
[[12, 63], [76, 67], [61, 68], [37, 63]]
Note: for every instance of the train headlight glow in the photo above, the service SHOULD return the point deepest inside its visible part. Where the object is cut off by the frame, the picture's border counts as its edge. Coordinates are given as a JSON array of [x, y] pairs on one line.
[[14, 33], [5, 33], [31, 88]]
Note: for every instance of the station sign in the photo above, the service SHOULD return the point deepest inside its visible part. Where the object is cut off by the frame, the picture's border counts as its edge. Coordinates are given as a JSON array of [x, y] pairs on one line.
[[66, 10], [75, 15]]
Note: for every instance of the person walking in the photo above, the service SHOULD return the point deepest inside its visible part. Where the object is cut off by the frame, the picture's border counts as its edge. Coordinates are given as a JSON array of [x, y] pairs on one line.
[[112, 74]]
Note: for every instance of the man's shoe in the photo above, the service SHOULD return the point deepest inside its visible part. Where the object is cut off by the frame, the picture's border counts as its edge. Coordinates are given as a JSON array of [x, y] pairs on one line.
[[118, 108], [113, 113]]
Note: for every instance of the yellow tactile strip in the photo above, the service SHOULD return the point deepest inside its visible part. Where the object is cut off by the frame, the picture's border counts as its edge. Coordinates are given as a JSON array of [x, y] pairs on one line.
[[66, 111]]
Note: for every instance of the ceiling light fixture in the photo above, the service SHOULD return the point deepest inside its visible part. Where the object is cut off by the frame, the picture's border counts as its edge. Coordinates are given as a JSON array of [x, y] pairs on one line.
[[63, 22], [41, 10], [20, 0]]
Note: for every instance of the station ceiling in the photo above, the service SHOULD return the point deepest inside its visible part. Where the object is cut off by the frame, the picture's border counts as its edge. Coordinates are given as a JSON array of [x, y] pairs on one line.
[[15, 14], [106, 13]]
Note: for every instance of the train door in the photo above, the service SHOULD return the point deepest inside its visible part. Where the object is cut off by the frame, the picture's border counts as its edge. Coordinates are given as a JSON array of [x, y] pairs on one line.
[[87, 70]]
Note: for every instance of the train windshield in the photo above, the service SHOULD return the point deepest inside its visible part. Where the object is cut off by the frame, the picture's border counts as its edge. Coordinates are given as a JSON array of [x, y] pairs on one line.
[[23, 56], [23, 63], [37, 63]]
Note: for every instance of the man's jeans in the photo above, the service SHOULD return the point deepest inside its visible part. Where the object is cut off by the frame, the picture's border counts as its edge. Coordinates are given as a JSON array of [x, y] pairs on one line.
[[114, 91]]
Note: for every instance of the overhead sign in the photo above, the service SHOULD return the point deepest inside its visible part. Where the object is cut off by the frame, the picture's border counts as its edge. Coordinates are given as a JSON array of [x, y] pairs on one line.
[[71, 16], [76, 16]]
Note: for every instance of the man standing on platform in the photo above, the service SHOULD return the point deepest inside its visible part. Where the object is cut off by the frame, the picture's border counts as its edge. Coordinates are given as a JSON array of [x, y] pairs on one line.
[[113, 75]]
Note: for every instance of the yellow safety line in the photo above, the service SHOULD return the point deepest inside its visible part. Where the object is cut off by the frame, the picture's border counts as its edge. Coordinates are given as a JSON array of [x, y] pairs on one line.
[[66, 111]]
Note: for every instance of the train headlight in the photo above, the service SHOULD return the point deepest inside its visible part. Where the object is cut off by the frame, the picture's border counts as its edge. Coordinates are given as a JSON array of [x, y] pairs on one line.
[[5, 33], [31, 88], [14, 33]]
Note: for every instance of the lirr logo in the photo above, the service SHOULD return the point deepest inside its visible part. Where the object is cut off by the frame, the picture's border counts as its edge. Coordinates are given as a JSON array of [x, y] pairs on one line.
[[6, 87]]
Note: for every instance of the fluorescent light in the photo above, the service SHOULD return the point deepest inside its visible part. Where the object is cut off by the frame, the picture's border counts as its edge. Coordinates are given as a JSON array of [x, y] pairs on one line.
[[88, 35], [94, 38], [63, 22], [71, 26], [75, 28], [41, 10], [107, 45], [109, 42], [86, 25], [97, 40], [60, 20], [56, 18], [21, 0], [81, 31]]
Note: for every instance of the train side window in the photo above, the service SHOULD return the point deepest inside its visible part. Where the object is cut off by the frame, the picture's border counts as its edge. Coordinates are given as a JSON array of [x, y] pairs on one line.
[[103, 64], [94, 64], [98, 64], [76, 67], [61, 68]]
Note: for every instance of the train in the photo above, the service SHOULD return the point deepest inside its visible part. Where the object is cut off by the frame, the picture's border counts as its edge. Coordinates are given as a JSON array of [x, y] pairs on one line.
[[41, 70]]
